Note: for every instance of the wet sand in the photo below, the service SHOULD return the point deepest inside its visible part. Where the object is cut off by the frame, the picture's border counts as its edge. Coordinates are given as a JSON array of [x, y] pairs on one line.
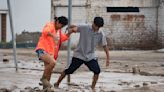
[[129, 71]]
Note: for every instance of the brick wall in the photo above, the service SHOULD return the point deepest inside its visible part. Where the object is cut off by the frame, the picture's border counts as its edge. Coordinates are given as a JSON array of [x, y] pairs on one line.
[[131, 30], [161, 23], [128, 30], [124, 30]]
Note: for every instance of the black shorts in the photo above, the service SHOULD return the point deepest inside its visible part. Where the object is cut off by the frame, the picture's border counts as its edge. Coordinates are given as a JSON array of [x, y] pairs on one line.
[[76, 63]]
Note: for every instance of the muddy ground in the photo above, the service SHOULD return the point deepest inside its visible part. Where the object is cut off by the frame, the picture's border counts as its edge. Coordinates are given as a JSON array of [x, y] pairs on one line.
[[129, 71]]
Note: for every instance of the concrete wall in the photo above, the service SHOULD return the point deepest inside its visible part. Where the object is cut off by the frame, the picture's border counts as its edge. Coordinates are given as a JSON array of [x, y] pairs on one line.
[[124, 30], [161, 23]]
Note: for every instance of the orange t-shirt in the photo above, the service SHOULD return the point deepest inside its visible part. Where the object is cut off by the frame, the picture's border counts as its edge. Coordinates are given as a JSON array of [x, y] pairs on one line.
[[47, 43]]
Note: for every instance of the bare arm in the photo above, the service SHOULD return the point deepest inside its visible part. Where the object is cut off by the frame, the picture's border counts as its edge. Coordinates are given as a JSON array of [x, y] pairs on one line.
[[71, 29], [106, 49]]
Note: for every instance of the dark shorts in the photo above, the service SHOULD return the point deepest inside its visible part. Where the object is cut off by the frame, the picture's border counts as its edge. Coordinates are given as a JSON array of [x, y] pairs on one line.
[[76, 63]]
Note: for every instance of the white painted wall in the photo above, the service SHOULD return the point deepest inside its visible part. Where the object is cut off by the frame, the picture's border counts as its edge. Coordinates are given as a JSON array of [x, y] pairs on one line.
[[137, 32]]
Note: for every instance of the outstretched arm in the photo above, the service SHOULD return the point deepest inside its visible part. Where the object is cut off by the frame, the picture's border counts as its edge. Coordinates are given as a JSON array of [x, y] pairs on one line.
[[71, 29], [106, 49]]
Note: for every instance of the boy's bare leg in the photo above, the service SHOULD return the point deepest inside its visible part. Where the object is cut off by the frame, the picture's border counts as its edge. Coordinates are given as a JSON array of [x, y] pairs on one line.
[[49, 64], [48, 71], [60, 79], [95, 78]]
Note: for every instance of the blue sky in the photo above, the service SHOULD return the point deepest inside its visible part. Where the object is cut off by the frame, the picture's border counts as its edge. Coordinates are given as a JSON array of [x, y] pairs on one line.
[[30, 15]]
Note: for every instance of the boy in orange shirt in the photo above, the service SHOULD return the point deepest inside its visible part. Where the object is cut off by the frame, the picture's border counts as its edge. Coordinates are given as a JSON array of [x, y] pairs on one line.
[[48, 46]]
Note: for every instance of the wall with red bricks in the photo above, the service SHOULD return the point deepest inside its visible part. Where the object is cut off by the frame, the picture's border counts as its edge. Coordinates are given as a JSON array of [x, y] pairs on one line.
[[124, 30]]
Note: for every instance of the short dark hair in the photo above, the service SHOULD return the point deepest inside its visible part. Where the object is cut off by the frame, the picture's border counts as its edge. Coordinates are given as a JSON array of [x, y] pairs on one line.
[[62, 20], [99, 21]]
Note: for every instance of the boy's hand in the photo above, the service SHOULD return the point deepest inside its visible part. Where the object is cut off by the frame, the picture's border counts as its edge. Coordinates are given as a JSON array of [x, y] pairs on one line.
[[73, 29]]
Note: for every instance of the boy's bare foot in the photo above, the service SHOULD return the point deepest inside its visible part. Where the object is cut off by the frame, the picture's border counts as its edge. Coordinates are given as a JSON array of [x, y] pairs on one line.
[[56, 85], [45, 83], [92, 89]]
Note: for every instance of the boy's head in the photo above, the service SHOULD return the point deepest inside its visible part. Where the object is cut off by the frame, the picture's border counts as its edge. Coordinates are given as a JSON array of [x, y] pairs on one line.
[[61, 21], [99, 21]]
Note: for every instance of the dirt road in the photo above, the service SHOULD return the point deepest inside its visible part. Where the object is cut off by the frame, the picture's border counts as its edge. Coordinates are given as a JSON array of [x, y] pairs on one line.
[[148, 67]]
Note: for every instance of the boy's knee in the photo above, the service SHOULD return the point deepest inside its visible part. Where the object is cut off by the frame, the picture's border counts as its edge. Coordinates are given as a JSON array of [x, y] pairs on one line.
[[97, 71], [52, 64], [68, 72]]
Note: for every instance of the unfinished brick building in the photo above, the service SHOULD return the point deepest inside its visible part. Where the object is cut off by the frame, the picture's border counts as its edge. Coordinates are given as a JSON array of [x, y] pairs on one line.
[[129, 24], [3, 19]]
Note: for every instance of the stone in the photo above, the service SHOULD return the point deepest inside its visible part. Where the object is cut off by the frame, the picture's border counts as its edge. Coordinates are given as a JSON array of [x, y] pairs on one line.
[[5, 60], [154, 83], [145, 84], [137, 86], [5, 90], [135, 70]]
